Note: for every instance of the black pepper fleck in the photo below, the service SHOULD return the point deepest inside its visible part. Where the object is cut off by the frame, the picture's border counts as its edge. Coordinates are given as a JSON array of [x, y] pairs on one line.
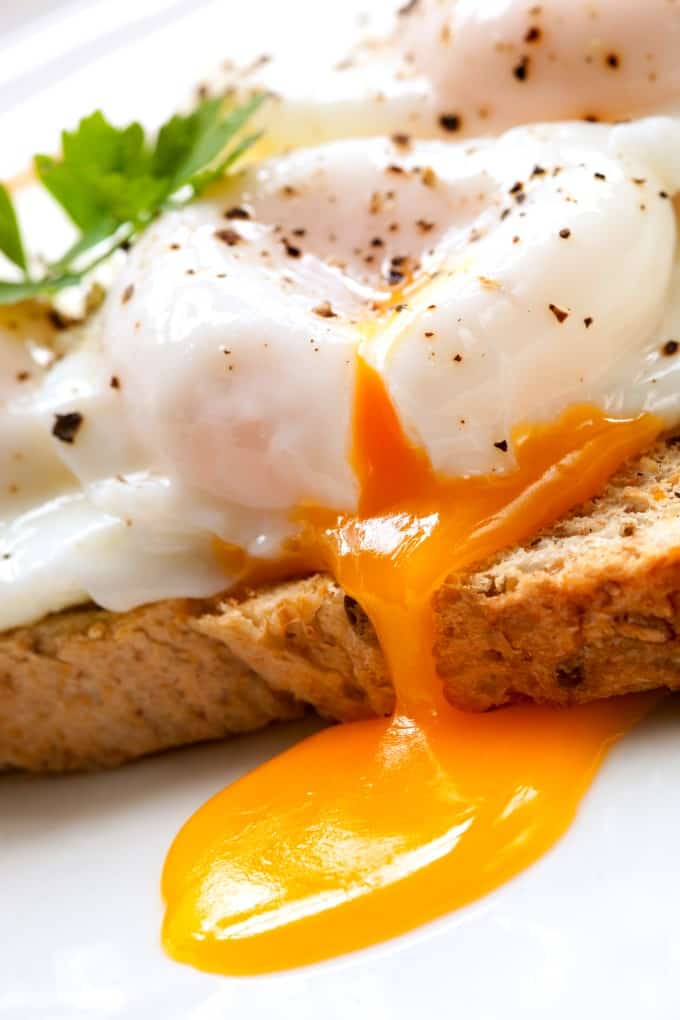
[[502, 446], [66, 426], [399, 267], [450, 121], [229, 237], [291, 250], [559, 313], [521, 70], [237, 212], [670, 347], [325, 311], [565, 232], [58, 320]]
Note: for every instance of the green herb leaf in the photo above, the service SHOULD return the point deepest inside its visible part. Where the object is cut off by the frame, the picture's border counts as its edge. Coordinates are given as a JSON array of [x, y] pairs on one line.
[[97, 146], [187, 146], [73, 194], [178, 138], [104, 176], [11, 244], [112, 184], [12, 293], [200, 181]]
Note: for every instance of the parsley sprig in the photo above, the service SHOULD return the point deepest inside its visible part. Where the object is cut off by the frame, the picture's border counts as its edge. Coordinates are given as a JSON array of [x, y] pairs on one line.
[[112, 183]]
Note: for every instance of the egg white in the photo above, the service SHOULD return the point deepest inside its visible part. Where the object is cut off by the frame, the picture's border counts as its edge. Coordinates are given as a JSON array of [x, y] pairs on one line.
[[457, 68]]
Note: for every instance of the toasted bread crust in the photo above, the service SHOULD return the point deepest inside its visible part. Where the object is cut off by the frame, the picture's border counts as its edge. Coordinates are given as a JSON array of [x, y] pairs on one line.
[[307, 638], [588, 608], [88, 688]]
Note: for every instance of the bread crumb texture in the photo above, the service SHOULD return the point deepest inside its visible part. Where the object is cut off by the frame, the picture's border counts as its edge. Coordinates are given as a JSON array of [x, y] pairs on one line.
[[588, 608]]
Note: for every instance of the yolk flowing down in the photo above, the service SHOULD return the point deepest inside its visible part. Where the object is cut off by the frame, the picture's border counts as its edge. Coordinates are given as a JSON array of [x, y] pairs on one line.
[[366, 830]]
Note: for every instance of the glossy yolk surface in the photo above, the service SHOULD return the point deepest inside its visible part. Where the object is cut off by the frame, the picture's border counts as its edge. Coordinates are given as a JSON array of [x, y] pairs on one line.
[[366, 830]]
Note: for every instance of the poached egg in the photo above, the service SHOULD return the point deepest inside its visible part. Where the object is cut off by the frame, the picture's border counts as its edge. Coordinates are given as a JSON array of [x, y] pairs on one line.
[[397, 356], [211, 400], [474, 67]]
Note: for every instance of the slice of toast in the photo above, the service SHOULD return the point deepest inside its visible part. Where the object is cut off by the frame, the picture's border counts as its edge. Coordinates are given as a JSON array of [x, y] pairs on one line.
[[588, 608], [87, 688]]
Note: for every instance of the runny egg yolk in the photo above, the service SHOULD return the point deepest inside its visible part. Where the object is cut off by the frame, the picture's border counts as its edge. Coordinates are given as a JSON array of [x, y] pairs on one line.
[[366, 830]]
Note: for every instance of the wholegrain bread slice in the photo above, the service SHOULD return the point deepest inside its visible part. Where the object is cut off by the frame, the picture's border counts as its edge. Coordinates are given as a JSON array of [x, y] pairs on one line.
[[88, 688], [588, 608]]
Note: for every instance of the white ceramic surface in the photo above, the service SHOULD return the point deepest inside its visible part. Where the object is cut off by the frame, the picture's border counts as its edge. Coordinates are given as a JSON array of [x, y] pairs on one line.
[[591, 931]]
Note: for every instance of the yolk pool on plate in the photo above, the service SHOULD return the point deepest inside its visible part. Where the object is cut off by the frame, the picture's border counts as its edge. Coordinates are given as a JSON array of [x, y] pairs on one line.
[[366, 830]]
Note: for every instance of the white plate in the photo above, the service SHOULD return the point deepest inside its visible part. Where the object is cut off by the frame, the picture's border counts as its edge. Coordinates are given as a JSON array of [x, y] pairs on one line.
[[590, 931]]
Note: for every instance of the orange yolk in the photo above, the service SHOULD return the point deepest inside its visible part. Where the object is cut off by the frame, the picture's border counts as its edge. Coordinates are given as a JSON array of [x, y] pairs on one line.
[[366, 830]]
